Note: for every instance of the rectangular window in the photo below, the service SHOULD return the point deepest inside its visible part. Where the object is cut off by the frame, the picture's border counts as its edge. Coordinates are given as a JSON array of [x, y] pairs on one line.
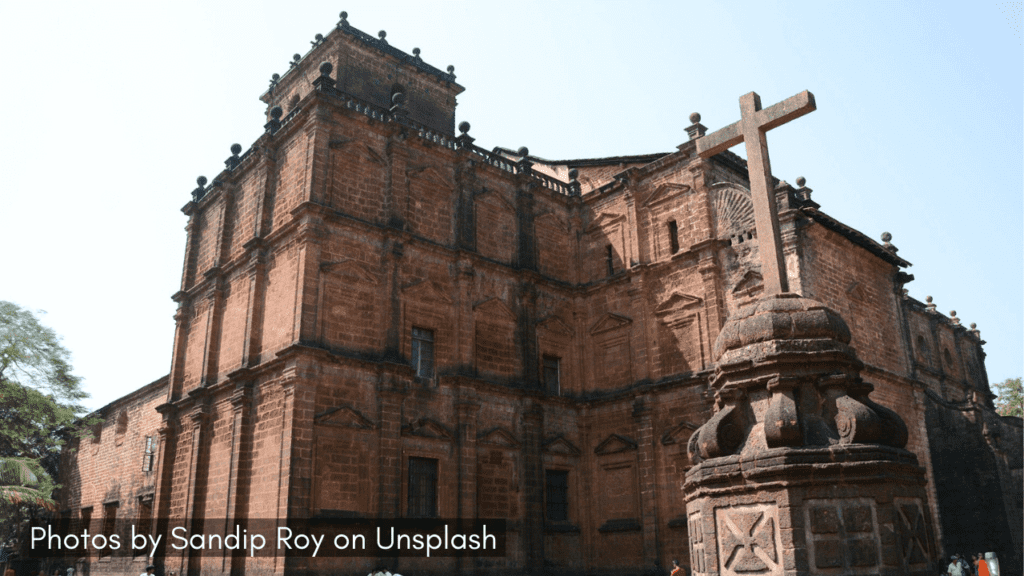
[[673, 236], [148, 455], [423, 352], [551, 375], [109, 522], [610, 259], [85, 519], [422, 497], [145, 521], [556, 495]]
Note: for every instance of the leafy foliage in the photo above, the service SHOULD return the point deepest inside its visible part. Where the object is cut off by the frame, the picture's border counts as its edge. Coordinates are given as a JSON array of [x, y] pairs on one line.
[[1011, 398], [39, 411], [23, 481], [31, 355]]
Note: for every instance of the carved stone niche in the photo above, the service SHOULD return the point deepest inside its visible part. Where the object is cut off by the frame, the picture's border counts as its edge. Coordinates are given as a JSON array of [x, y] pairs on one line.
[[795, 439]]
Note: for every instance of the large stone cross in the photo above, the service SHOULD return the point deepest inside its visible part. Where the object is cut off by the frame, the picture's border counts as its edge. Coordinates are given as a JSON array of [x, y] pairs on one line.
[[751, 128]]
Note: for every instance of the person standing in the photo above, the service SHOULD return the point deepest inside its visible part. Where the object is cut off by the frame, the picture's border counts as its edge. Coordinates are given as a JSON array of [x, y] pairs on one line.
[[964, 565], [954, 568], [149, 571], [980, 565], [677, 570]]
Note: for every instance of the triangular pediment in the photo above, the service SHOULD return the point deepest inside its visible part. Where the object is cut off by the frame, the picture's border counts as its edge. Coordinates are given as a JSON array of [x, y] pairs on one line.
[[604, 220], [749, 284], [495, 198], [430, 173], [375, 156], [614, 444], [556, 325], [856, 291], [351, 268], [426, 290], [559, 445], [610, 322], [676, 302], [665, 192], [426, 428], [344, 416], [553, 220], [498, 436], [494, 308], [679, 433]]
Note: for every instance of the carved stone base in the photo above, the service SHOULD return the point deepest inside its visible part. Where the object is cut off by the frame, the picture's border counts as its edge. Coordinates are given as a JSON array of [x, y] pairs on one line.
[[840, 510]]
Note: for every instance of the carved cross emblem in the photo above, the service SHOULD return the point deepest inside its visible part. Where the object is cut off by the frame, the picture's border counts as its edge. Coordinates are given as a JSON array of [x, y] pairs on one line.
[[754, 123], [748, 540], [915, 538]]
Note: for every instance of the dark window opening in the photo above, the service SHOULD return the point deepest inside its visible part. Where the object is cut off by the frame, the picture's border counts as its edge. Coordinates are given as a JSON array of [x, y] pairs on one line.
[[422, 495], [556, 495], [551, 373], [85, 519], [145, 520], [610, 259], [673, 236], [109, 522], [423, 352]]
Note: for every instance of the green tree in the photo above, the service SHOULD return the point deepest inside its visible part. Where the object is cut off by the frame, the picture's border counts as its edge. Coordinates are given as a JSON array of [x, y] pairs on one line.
[[39, 409], [1010, 401]]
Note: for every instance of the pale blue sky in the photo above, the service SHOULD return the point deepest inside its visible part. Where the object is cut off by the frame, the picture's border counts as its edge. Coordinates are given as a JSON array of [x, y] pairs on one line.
[[111, 110]]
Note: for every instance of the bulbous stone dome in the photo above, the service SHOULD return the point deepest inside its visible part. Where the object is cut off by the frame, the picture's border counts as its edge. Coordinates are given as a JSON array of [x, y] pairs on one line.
[[781, 317]]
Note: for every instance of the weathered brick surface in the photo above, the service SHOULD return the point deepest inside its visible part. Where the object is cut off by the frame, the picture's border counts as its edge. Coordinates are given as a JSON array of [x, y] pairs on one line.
[[308, 267]]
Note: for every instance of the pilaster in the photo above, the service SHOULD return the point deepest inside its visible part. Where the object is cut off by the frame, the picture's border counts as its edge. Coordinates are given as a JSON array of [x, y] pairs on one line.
[[647, 477]]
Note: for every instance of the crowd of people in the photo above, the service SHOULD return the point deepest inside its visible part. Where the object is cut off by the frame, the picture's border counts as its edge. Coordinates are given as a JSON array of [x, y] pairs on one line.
[[962, 566]]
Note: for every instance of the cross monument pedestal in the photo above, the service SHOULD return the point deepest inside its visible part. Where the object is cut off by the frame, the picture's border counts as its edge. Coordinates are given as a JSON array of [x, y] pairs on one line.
[[797, 471]]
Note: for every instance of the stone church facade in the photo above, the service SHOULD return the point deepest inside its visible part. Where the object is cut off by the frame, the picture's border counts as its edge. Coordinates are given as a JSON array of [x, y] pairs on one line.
[[380, 319]]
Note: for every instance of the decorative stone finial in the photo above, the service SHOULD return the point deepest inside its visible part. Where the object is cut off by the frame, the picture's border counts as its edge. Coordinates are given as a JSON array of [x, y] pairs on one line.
[[930, 305], [275, 120], [233, 160], [382, 35], [416, 53], [523, 151], [275, 77], [800, 181], [326, 68], [295, 60], [886, 237], [318, 39], [696, 129], [573, 174], [451, 71], [906, 293], [974, 330], [201, 181], [465, 140], [344, 19], [952, 316]]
